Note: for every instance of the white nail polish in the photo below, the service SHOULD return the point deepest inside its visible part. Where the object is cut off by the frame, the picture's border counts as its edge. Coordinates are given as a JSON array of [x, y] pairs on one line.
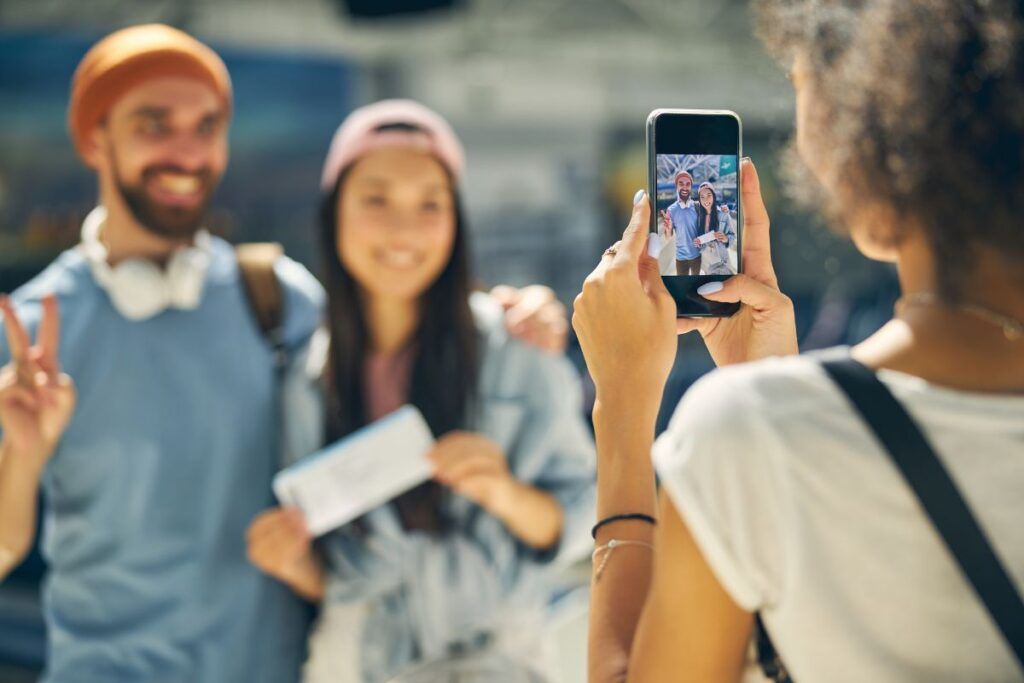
[[710, 288], [638, 197]]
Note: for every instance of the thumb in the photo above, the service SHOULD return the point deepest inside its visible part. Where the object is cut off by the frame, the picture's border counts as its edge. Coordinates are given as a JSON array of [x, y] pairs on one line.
[[650, 276], [743, 289]]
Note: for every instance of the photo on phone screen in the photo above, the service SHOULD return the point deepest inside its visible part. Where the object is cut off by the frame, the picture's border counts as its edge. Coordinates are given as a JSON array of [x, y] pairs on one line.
[[696, 214], [696, 208]]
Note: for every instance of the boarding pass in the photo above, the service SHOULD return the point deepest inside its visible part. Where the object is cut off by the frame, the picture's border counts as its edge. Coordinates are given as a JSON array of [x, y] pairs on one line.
[[359, 472]]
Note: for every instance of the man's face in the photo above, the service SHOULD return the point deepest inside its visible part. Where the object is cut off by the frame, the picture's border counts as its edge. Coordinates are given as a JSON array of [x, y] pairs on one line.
[[683, 186], [164, 148]]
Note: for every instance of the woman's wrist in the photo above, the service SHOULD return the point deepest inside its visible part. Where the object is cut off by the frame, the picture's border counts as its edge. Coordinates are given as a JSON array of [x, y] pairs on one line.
[[624, 430], [532, 515], [509, 498], [502, 501], [624, 408], [309, 584]]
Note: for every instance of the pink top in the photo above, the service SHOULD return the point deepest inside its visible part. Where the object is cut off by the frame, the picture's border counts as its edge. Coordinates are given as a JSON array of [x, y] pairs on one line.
[[386, 378]]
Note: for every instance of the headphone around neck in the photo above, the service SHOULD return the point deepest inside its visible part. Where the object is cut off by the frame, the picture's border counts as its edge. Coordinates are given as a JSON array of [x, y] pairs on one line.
[[140, 289]]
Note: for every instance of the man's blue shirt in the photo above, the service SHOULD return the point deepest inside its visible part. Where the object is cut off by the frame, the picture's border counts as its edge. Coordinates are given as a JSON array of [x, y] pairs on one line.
[[684, 222], [167, 459]]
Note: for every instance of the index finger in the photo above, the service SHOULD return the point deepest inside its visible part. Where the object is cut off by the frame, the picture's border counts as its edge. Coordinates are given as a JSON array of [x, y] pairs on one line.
[[17, 337], [48, 336], [634, 238]]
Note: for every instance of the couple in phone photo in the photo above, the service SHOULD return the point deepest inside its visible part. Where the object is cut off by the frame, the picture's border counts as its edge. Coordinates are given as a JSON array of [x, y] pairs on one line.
[[702, 230]]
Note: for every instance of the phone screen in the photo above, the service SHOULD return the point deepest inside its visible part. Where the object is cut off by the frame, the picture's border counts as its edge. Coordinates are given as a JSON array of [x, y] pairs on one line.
[[696, 214]]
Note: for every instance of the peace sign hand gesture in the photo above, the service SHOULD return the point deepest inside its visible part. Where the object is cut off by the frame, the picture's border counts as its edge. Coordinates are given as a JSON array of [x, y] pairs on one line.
[[36, 398]]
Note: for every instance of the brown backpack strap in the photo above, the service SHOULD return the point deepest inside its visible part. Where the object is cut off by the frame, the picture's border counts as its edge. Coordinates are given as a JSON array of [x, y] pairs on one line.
[[263, 290]]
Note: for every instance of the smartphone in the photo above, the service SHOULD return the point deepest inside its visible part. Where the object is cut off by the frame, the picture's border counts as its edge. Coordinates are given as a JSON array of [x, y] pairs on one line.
[[693, 170]]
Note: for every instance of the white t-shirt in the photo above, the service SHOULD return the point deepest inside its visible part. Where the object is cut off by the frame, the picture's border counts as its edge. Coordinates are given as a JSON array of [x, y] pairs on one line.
[[802, 517]]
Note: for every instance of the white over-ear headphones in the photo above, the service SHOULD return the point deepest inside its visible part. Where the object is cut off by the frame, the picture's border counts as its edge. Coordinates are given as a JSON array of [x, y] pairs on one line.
[[139, 288]]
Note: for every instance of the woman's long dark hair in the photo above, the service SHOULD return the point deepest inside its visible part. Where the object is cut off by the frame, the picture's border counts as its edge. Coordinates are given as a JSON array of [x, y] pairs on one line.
[[702, 212], [445, 363]]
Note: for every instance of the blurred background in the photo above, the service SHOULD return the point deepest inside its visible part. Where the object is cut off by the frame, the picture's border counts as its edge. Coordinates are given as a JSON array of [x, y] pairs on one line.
[[549, 97]]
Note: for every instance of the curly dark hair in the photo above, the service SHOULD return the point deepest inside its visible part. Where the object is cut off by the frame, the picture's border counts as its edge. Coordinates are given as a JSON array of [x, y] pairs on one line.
[[920, 107]]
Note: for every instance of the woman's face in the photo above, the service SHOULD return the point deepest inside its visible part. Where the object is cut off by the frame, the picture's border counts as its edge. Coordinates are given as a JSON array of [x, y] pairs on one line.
[[707, 199], [396, 222]]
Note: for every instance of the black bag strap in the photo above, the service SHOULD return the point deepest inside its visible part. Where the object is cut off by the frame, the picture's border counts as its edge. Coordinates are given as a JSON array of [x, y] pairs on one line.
[[263, 291], [772, 666], [938, 495]]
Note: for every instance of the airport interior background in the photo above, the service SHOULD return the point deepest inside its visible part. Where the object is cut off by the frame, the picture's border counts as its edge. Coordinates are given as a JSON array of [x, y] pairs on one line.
[[549, 97]]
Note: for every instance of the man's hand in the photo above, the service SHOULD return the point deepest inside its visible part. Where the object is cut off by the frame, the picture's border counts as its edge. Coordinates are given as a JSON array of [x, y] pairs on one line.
[[36, 398], [534, 315]]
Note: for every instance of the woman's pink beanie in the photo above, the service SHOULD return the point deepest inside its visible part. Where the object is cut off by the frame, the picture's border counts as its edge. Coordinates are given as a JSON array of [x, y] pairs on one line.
[[369, 128]]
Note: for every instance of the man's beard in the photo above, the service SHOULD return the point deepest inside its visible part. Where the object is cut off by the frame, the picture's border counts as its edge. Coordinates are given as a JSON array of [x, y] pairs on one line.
[[169, 222]]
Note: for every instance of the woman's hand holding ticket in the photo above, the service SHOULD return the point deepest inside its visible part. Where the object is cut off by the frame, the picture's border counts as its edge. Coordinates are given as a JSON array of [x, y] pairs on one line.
[[279, 545], [475, 467]]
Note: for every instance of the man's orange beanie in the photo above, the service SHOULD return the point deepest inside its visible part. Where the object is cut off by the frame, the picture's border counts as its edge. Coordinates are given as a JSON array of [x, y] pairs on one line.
[[129, 57]]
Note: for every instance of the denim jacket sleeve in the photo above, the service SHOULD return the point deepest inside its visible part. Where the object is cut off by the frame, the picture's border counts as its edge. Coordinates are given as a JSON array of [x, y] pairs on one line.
[[302, 401], [727, 225]]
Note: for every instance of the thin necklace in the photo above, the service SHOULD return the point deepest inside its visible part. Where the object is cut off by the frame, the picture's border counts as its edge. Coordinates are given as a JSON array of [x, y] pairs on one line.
[[1013, 328]]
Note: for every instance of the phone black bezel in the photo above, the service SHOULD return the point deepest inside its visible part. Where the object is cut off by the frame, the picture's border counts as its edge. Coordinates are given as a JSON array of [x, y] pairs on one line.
[[695, 131]]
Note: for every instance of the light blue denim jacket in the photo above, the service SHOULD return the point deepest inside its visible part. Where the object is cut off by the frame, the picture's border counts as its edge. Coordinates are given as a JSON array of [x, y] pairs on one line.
[[428, 596]]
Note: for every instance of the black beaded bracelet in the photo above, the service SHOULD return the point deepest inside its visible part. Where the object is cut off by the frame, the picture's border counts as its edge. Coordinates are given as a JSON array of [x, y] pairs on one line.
[[617, 518]]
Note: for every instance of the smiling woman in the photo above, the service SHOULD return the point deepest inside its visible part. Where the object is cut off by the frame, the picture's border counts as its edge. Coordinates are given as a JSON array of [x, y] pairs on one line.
[[398, 213], [432, 572]]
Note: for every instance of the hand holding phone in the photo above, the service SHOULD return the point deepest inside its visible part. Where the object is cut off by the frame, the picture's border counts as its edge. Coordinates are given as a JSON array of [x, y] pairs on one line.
[[625, 320], [615, 318], [693, 162], [765, 325]]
